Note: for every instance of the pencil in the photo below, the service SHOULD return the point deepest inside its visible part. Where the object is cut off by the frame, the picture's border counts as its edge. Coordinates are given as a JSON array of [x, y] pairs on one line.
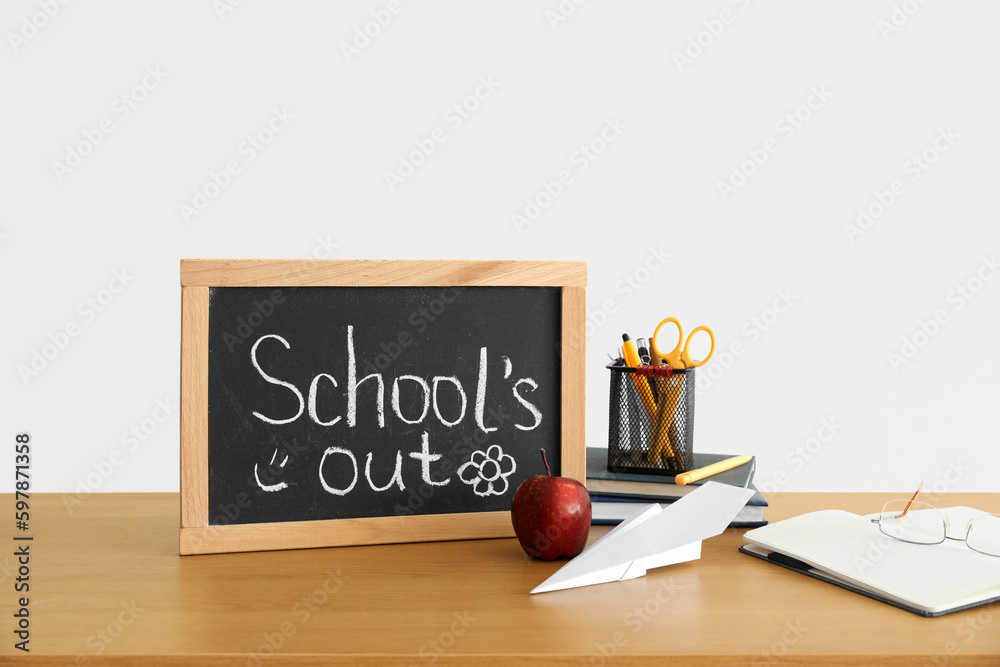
[[714, 469]]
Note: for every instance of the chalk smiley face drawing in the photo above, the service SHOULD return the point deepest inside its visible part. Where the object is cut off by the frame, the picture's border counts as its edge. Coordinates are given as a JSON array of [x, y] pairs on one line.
[[271, 470]]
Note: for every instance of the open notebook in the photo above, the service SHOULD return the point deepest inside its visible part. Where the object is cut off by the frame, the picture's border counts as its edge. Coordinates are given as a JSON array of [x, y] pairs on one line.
[[848, 550]]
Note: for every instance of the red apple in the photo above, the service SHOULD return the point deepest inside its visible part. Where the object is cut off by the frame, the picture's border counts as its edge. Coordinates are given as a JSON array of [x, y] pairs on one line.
[[551, 515]]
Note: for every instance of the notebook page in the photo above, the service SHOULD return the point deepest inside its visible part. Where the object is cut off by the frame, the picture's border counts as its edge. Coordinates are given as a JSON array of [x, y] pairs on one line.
[[929, 577]]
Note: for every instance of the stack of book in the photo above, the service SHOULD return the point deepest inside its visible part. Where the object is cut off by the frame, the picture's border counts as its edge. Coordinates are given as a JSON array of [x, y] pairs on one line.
[[616, 496]]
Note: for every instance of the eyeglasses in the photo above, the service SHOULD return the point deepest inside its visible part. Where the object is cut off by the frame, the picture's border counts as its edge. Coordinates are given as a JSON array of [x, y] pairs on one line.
[[917, 522]]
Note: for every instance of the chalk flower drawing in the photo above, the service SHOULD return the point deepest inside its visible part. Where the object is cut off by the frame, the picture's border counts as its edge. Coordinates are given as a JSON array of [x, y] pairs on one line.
[[487, 472]]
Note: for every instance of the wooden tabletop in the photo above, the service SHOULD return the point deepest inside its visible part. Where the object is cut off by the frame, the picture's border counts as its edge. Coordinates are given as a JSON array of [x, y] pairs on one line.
[[108, 587]]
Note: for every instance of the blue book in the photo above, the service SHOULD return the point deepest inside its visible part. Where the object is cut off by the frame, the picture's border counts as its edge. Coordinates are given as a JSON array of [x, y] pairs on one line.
[[612, 510]]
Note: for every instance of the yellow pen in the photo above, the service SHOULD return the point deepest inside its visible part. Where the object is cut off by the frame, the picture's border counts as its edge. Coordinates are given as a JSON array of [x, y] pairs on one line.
[[632, 360], [631, 354]]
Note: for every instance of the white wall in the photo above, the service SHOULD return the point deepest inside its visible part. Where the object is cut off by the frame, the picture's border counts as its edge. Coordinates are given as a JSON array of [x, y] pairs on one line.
[[885, 96]]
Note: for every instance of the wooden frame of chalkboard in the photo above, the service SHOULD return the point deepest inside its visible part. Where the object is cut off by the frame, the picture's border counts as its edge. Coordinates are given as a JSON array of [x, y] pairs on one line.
[[201, 280]]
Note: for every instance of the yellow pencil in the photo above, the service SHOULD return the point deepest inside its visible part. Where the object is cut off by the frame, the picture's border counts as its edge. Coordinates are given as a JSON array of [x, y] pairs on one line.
[[669, 395], [714, 469]]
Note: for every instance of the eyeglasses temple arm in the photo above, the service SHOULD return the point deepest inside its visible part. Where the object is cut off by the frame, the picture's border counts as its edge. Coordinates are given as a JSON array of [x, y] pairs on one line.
[[907, 508]]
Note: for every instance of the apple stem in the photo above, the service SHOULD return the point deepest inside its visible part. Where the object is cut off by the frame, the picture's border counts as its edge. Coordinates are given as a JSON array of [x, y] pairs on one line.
[[546, 462]]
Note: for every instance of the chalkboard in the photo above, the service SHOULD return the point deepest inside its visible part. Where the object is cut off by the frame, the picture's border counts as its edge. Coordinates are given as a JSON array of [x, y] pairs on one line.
[[348, 402], [337, 402]]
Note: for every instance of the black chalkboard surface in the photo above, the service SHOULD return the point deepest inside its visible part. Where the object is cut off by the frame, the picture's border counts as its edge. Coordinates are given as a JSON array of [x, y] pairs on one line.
[[343, 402], [339, 402]]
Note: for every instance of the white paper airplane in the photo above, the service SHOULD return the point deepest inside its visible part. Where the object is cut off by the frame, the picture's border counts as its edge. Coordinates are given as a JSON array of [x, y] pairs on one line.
[[658, 535]]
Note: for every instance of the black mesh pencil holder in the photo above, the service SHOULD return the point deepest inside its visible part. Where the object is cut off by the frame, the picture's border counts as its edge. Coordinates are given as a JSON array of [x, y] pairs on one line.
[[651, 423]]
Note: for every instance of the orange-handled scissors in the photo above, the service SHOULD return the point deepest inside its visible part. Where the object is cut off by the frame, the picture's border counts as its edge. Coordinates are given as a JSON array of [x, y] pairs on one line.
[[664, 436], [680, 356]]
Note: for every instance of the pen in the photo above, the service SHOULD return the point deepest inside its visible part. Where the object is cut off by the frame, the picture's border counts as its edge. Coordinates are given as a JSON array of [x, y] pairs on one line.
[[632, 360], [631, 355], [715, 468], [642, 347]]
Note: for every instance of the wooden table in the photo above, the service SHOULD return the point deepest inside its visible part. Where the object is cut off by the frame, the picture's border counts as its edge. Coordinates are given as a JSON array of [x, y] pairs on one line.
[[108, 588]]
